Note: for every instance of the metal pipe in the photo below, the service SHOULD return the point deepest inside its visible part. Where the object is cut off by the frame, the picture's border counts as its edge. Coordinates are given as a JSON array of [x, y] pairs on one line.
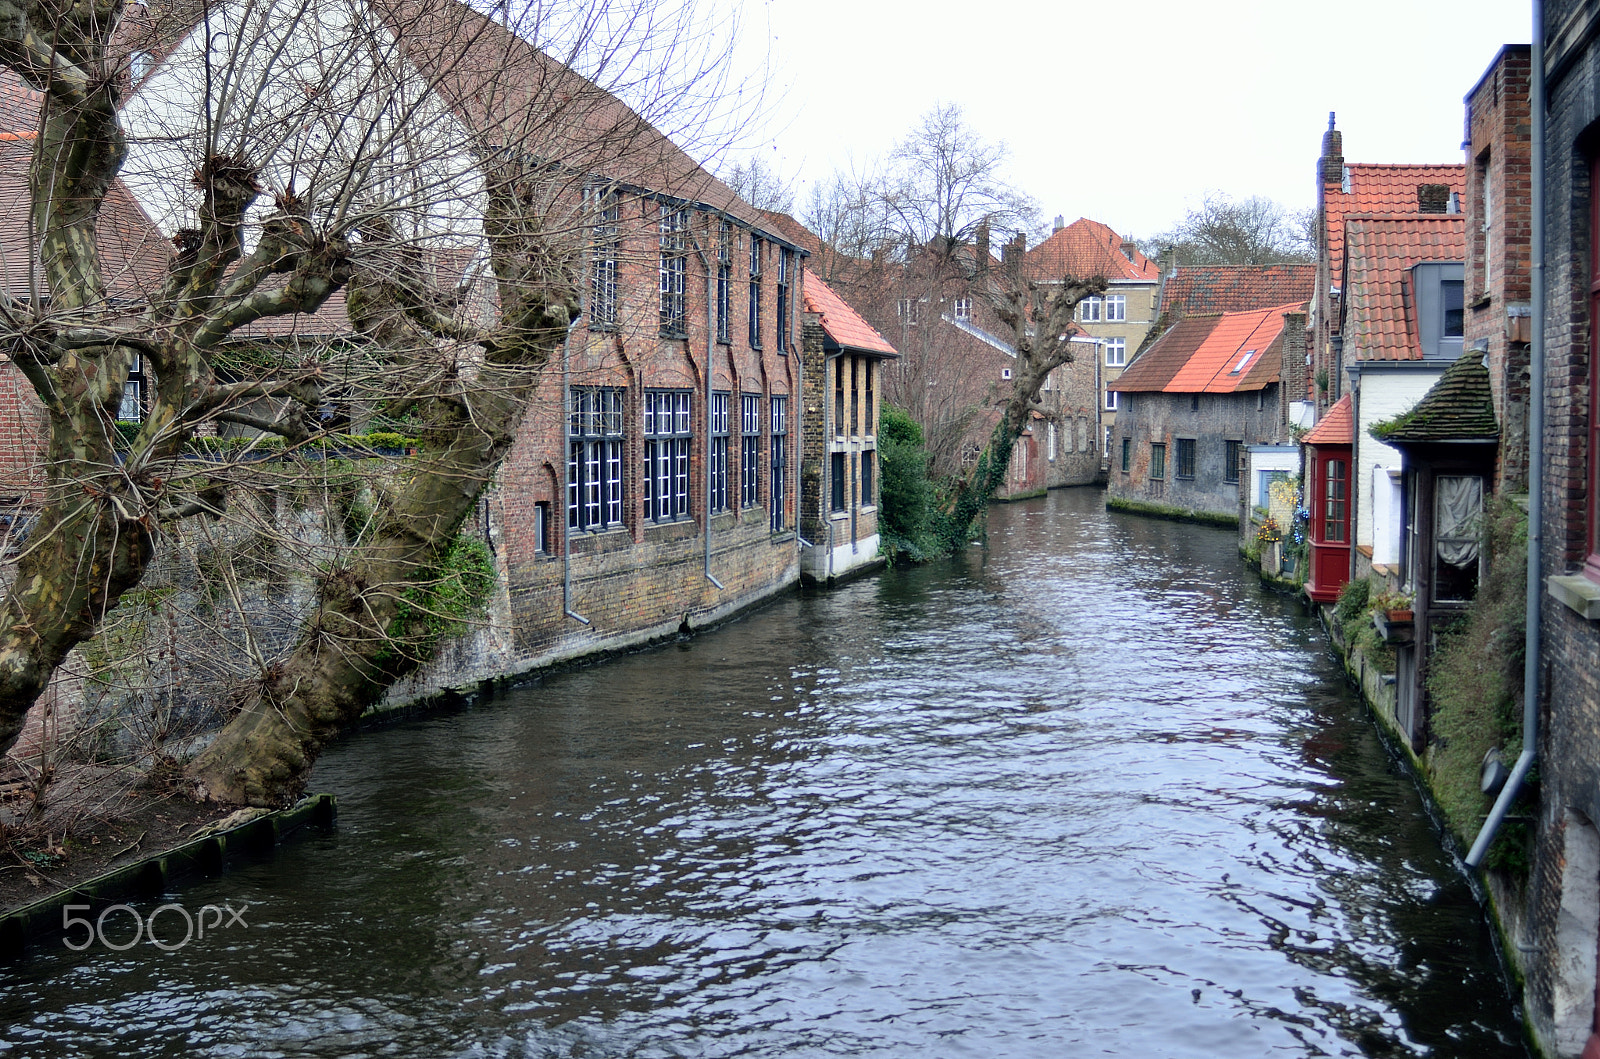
[[1535, 598], [566, 485], [711, 345]]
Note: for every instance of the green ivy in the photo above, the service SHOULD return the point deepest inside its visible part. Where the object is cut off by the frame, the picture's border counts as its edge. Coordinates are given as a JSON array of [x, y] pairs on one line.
[[446, 601]]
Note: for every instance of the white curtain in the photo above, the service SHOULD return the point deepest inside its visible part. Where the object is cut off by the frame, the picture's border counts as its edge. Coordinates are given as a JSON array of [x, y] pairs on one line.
[[1458, 515]]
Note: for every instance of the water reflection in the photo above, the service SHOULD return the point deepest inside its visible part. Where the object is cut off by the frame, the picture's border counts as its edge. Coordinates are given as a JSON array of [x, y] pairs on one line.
[[1090, 792]]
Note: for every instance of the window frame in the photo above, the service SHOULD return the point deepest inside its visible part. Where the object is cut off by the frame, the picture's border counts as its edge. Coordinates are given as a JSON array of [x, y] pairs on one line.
[[724, 306], [1118, 346], [717, 498], [1115, 308], [596, 435], [755, 292], [1184, 464], [778, 455], [749, 450], [1158, 461], [1110, 403], [673, 271], [1090, 309], [782, 308], [665, 468], [604, 244], [1232, 458]]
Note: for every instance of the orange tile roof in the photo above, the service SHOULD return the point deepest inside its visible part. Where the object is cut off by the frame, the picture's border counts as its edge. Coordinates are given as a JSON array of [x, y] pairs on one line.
[[19, 104], [1236, 288], [1338, 426], [1380, 191], [1088, 248], [1379, 252], [843, 325], [1218, 353]]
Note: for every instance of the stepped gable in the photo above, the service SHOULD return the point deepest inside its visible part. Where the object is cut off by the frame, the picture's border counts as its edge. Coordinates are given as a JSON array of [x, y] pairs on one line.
[[1459, 407], [1236, 288], [1338, 426], [1380, 252]]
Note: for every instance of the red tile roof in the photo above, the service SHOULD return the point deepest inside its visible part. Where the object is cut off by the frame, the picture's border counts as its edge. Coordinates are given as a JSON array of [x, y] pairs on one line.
[[843, 325], [1380, 191], [1379, 254], [19, 104], [1088, 248], [1236, 288], [1217, 353], [1338, 426]]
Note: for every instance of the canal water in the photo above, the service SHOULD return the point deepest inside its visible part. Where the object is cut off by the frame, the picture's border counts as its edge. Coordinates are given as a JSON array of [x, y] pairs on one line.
[[1091, 791]]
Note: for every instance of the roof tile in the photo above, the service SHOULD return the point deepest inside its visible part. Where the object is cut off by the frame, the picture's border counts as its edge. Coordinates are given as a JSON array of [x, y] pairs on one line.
[[1380, 252], [1236, 288], [1338, 425], [1088, 248], [843, 325]]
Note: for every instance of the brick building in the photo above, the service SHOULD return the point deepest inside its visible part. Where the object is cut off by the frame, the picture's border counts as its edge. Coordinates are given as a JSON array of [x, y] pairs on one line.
[[844, 360], [1195, 401]]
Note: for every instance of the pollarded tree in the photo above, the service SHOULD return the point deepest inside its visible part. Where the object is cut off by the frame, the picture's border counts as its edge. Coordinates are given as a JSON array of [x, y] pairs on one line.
[[417, 173]]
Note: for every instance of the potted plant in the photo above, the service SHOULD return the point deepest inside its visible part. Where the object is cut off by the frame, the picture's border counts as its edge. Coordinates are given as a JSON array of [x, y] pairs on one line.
[[1393, 616]]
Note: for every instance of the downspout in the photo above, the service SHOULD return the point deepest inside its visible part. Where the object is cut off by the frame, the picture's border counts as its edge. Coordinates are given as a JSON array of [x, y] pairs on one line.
[[1535, 604], [561, 501], [829, 428], [711, 348]]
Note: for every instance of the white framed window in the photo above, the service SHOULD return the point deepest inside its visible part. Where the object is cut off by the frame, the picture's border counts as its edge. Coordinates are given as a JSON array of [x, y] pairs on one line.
[[1111, 400], [1116, 352], [961, 309], [749, 448], [1005, 373], [1105, 450], [674, 223], [1050, 442], [717, 483], [667, 433], [1089, 310], [1116, 307], [594, 458]]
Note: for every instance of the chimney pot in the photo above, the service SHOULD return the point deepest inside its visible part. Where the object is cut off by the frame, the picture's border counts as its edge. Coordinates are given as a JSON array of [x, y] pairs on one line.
[[1061, 222]]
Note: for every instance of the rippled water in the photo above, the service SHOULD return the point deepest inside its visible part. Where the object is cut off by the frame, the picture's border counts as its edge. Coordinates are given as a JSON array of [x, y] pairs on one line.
[[1093, 792]]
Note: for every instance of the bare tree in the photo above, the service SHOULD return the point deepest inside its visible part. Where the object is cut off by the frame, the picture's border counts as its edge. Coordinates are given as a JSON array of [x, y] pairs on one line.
[[759, 183], [1228, 231], [945, 180], [418, 173]]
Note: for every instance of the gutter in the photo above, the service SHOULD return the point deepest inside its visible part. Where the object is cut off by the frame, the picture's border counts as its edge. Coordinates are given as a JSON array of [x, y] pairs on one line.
[[1535, 599], [561, 501]]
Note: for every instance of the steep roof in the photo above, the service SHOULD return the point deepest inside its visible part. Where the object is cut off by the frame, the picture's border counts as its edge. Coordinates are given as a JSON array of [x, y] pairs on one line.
[[1338, 426], [19, 104], [1459, 407], [1216, 353], [133, 254], [1236, 288], [1380, 191], [1088, 248], [1379, 304], [845, 327]]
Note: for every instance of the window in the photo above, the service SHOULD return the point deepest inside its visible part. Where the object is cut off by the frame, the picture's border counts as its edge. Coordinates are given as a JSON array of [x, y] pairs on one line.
[[603, 261], [1116, 352], [1264, 482], [1111, 400], [1194, 402], [1232, 453], [755, 292], [1127, 452], [1457, 529], [673, 265], [724, 281], [594, 458], [131, 410], [855, 397], [1105, 445], [868, 407], [910, 310], [838, 482], [1005, 373], [1050, 442], [1334, 497], [783, 299], [868, 497], [666, 454], [139, 64], [838, 397], [541, 527], [1185, 458], [1158, 460], [717, 464], [749, 449], [1116, 308], [1089, 310], [961, 308], [780, 458], [1451, 294]]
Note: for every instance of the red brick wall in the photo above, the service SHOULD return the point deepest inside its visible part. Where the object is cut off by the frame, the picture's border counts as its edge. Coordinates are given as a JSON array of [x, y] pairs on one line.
[[22, 436]]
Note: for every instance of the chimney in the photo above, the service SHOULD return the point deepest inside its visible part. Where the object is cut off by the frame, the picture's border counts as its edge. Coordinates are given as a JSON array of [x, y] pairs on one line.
[[982, 264], [1292, 372], [1129, 249], [1330, 167], [1011, 254], [1433, 198], [1061, 222]]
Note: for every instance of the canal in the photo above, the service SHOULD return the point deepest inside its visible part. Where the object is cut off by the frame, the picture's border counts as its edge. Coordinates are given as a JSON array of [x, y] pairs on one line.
[[1091, 791]]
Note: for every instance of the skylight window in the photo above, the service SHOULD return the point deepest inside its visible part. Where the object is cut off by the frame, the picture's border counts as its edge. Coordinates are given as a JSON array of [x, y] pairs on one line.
[[1237, 368]]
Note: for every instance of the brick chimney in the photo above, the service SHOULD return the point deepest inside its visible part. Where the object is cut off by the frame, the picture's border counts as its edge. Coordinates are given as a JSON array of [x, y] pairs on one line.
[[1128, 248], [1330, 167], [982, 263], [1433, 198], [1061, 222], [1011, 255], [1292, 373]]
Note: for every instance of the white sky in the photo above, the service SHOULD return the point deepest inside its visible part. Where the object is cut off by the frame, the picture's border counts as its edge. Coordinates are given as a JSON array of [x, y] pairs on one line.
[[1127, 113]]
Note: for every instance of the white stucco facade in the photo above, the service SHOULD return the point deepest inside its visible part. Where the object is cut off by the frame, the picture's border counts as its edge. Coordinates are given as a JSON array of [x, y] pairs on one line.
[[1382, 393]]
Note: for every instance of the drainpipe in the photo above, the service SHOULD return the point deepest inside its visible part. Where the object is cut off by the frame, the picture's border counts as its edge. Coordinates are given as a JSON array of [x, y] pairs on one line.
[[561, 501], [1535, 605], [711, 347]]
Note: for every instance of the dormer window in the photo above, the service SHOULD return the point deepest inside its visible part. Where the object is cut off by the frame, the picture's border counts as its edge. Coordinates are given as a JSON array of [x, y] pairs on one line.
[[1454, 323], [1438, 303]]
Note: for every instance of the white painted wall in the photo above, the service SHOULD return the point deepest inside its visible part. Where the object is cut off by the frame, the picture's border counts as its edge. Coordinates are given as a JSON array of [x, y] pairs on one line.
[[1387, 516], [1383, 395]]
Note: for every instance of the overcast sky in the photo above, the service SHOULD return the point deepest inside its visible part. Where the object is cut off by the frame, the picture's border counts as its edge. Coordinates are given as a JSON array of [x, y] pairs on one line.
[[1129, 113]]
